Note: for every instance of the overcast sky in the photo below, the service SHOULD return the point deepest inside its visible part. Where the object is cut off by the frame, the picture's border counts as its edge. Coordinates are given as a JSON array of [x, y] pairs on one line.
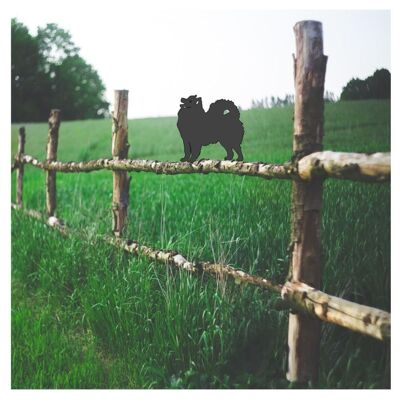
[[161, 56]]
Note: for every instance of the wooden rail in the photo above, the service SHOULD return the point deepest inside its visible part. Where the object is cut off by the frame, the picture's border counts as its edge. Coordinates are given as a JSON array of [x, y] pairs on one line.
[[326, 164], [355, 166], [299, 297]]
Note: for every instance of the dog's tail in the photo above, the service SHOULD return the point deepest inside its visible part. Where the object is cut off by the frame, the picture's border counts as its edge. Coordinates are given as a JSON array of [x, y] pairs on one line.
[[224, 107]]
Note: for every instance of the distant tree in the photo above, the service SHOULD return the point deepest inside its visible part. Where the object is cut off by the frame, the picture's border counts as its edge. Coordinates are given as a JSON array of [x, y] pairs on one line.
[[257, 103], [329, 97], [48, 72], [379, 84], [25, 60], [272, 102], [55, 44], [287, 100], [74, 79], [376, 86]]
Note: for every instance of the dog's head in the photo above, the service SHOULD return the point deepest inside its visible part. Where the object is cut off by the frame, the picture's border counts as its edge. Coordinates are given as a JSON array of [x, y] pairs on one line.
[[191, 102]]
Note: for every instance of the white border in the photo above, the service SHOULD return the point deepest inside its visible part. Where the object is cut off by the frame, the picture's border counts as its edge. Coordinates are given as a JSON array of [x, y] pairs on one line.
[[11, 9]]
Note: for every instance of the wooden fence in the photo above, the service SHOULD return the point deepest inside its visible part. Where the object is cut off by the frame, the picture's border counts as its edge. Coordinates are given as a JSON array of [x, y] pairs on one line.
[[307, 169]]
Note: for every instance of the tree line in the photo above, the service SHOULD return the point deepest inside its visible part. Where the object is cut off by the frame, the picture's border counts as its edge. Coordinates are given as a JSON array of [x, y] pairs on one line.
[[48, 72], [287, 100], [376, 86]]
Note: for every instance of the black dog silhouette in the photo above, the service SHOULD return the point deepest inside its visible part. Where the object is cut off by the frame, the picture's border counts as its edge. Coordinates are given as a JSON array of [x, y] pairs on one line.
[[220, 123]]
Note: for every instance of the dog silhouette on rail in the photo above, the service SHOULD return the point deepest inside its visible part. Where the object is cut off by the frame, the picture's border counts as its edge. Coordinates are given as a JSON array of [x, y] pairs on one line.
[[220, 123]]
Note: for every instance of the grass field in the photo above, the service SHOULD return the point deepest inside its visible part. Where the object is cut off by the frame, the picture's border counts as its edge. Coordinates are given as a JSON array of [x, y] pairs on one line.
[[84, 315]]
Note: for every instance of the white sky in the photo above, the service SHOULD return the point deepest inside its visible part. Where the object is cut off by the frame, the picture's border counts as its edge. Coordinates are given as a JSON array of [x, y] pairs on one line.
[[163, 55]]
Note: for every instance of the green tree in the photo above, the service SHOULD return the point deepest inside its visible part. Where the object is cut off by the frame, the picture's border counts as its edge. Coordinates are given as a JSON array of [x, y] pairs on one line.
[[48, 72], [74, 79], [376, 86], [55, 44], [25, 60], [379, 84]]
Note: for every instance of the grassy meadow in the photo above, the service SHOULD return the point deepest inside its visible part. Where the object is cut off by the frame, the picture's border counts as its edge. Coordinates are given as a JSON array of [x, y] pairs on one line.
[[85, 315]]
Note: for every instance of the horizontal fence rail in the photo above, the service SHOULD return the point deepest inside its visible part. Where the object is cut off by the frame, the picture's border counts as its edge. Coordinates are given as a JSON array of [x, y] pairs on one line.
[[263, 170], [355, 166], [326, 164], [356, 317], [297, 296]]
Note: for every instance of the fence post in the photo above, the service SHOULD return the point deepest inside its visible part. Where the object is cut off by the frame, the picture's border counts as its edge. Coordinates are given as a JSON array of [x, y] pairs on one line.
[[51, 150], [120, 147], [309, 66], [20, 168]]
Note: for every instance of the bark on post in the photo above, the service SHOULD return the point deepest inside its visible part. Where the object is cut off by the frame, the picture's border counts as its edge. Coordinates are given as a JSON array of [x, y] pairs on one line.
[[51, 151], [309, 64], [20, 168], [120, 147]]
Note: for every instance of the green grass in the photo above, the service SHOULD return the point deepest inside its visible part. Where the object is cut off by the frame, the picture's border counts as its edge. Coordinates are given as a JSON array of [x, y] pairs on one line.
[[84, 315]]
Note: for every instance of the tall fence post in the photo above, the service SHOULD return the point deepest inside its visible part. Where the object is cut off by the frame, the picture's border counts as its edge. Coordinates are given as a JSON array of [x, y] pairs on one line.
[[120, 147], [20, 168], [306, 264], [51, 150]]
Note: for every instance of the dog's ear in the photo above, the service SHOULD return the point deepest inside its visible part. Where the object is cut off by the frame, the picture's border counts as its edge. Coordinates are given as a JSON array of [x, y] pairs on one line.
[[183, 100]]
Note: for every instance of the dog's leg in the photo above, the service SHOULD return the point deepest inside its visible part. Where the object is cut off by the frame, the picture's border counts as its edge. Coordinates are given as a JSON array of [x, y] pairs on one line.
[[238, 150], [229, 151], [186, 148], [196, 149]]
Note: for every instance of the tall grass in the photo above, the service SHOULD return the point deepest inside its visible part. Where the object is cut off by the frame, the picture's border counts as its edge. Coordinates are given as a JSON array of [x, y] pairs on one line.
[[85, 315]]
